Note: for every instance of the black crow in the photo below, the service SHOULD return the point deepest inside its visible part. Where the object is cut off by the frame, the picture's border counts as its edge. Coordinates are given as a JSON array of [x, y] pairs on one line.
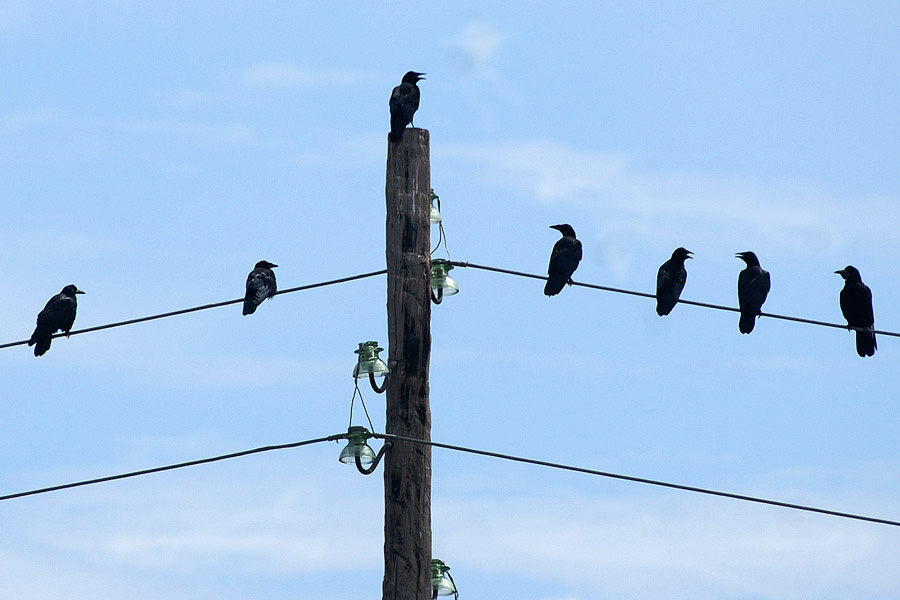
[[670, 281], [404, 102], [753, 287], [58, 314], [260, 285], [856, 305], [563, 260]]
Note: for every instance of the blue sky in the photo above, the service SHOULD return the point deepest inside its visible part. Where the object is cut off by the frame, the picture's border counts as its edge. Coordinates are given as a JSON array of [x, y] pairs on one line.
[[153, 152]]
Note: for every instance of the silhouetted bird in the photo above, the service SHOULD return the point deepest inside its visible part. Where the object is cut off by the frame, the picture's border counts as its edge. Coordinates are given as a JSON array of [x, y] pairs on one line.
[[753, 287], [404, 103], [670, 281], [563, 260], [58, 314], [260, 285], [856, 305]]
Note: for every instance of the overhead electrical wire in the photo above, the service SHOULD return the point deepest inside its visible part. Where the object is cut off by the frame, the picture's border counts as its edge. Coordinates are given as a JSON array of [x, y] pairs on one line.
[[677, 486], [387, 437], [455, 264], [648, 295], [181, 465], [183, 311]]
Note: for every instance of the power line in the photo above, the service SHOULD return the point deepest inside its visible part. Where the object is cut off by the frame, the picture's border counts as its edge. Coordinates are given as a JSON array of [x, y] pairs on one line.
[[531, 461], [677, 486], [455, 264], [691, 302], [190, 463], [203, 307]]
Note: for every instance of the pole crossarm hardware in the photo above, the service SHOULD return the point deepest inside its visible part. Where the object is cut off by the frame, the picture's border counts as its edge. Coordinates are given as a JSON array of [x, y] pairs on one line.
[[371, 468]]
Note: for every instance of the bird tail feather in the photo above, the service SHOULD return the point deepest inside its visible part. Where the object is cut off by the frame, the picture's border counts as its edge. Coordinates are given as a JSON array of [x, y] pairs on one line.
[[747, 323], [865, 343], [664, 307], [41, 345], [555, 284]]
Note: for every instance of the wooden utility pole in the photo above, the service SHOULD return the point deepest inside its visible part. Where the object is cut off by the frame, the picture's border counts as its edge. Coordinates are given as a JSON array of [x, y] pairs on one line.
[[407, 467]]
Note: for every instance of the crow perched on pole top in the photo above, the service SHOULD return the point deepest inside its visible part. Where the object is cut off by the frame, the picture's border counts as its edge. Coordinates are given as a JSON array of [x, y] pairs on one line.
[[260, 285], [670, 281], [856, 305], [58, 314], [404, 102], [753, 287], [563, 260]]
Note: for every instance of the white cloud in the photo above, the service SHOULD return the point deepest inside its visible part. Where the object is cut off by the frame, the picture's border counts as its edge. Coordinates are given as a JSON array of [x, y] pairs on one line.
[[672, 548], [286, 516], [290, 76], [630, 198], [359, 152], [31, 576], [190, 98], [230, 371], [232, 134], [27, 119], [479, 42], [256, 520], [478, 46], [14, 14]]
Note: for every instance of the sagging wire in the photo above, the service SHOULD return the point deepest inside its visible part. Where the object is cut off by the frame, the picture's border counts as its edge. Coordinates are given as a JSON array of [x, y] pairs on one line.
[[199, 308], [437, 219], [440, 266], [357, 391]]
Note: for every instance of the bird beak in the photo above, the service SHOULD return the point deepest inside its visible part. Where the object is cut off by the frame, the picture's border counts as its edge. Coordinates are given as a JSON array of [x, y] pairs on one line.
[[689, 254], [78, 292], [739, 255], [841, 272]]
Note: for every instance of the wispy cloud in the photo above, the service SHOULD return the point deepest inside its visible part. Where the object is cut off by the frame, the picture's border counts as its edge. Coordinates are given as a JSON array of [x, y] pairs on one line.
[[638, 545], [360, 152], [290, 76], [644, 201], [295, 528], [479, 43], [228, 133], [191, 98], [641, 548], [26, 119], [478, 47], [13, 14], [214, 371], [234, 133]]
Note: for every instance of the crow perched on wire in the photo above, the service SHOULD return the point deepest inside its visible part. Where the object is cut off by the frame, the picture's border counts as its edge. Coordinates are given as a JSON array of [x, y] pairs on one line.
[[58, 314], [260, 285], [753, 287], [856, 305], [670, 281], [563, 260], [404, 103]]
